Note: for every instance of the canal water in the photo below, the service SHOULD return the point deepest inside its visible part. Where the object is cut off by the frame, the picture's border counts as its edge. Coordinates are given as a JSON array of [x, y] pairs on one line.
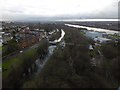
[[40, 63], [93, 34]]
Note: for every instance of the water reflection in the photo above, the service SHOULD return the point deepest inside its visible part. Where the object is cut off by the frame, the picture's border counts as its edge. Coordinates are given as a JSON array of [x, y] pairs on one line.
[[93, 35], [94, 29], [40, 63]]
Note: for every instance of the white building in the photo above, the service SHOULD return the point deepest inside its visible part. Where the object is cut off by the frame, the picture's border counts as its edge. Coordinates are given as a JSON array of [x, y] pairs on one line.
[[90, 47]]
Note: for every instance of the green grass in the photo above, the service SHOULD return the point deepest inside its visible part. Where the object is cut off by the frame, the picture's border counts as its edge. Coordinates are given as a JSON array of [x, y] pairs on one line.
[[0, 65], [3, 47], [7, 66], [114, 36], [8, 63], [93, 53], [0, 48], [17, 61], [0, 51], [82, 33]]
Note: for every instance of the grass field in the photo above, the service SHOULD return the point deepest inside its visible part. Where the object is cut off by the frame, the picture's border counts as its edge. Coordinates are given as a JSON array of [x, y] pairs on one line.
[[16, 62]]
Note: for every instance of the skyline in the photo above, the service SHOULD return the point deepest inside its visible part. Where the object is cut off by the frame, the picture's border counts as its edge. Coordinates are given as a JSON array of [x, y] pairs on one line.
[[34, 10]]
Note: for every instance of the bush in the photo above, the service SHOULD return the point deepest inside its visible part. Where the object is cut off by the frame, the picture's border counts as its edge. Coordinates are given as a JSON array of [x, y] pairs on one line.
[[43, 48], [109, 51]]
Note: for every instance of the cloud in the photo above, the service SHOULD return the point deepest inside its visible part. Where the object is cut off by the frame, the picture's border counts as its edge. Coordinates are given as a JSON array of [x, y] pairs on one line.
[[46, 9]]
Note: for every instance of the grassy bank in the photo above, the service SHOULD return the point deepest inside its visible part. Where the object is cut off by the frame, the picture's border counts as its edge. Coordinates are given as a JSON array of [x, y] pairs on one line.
[[14, 67], [17, 61]]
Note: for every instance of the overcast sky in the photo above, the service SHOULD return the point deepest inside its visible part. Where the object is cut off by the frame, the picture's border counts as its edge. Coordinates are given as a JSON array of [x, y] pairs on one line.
[[57, 9]]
